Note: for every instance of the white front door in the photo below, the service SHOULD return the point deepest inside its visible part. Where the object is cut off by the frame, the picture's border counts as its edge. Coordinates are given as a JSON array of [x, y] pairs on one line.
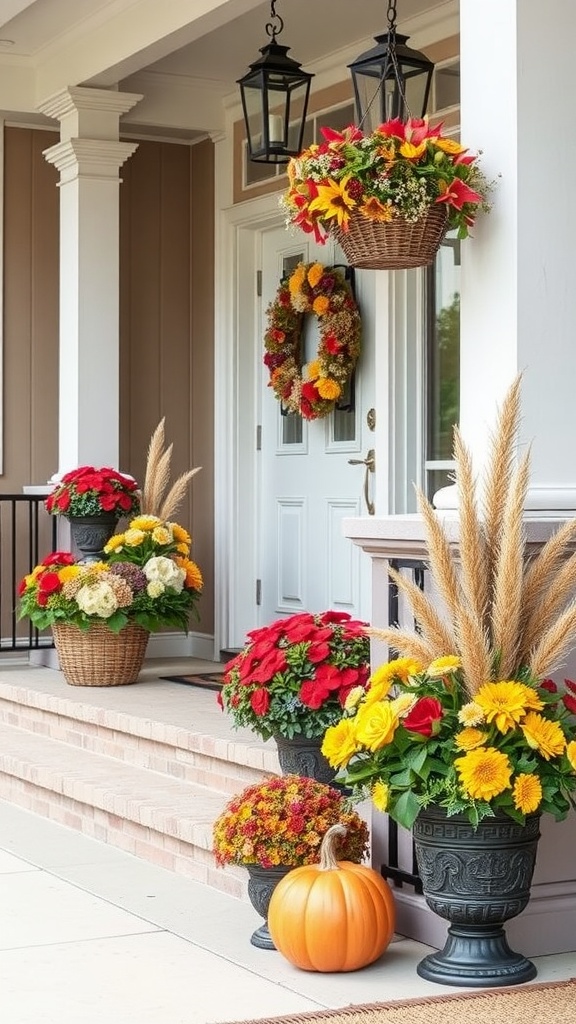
[[307, 482]]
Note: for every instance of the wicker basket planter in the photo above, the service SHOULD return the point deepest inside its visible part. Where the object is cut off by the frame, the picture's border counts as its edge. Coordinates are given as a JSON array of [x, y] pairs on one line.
[[392, 245], [99, 657]]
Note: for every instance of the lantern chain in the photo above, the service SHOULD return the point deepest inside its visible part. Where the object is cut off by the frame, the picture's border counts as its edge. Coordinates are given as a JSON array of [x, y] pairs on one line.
[[275, 25], [391, 15]]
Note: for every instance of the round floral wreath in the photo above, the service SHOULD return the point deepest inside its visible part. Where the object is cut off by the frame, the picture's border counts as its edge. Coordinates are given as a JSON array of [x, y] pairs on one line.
[[314, 389]]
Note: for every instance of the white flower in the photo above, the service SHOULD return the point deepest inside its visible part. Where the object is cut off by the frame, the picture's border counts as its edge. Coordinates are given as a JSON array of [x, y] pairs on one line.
[[164, 570], [155, 588], [97, 599]]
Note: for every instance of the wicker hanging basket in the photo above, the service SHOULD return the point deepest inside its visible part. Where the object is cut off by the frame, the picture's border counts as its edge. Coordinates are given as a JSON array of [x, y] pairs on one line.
[[99, 657], [392, 245]]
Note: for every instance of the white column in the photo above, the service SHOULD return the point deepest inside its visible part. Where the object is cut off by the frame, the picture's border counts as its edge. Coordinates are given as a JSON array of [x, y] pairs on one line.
[[89, 157], [518, 290]]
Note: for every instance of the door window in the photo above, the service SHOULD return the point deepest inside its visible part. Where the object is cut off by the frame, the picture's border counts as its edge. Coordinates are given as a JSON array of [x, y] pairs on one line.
[[442, 364]]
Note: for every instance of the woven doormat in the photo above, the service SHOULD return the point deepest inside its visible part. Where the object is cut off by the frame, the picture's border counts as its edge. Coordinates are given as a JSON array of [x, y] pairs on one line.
[[206, 680], [549, 1003]]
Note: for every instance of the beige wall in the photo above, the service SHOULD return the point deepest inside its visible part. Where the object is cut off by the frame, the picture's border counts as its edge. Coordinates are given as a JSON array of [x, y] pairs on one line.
[[166, 320]]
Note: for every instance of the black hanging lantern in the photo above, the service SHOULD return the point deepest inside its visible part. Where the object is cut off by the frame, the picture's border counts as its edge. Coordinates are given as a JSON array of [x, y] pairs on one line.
[[391, 79], [274, 99]]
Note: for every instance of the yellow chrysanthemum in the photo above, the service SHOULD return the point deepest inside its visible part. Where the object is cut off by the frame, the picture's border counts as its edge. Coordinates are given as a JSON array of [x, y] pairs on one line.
[[333, 201], [146, 523], [527, 793], [297, 279], [321, 305], [312, 369], [484, 773], [469, 739], [543, 735], [374, 725], [571, 754], [403, 704], [471, 714], [181, 536], [116, 543], [339, 743], [443, 666], [380, 795], [315, 274], [328, 388], [505, 703], [160, 535], [68, 572], [133, 538]]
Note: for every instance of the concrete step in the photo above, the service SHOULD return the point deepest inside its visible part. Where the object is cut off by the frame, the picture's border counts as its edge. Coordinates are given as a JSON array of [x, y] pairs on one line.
[[191, 750], [148, 813]]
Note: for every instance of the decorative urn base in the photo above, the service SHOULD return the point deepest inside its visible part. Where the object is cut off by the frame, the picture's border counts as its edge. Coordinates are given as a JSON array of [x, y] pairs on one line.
[[302, 756], [476, 880], [261, 885]]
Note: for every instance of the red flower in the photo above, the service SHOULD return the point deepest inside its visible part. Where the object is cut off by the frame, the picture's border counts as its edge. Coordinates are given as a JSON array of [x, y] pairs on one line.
[[260, 701], [313, 693], [59, 558], [425, 717], [332, 344], [457, 194], [570, 685], [569, 703], [550, 685], [49, 583]]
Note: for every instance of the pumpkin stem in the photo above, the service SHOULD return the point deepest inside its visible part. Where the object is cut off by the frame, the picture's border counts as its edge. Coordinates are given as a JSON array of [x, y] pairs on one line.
[[328, 860]]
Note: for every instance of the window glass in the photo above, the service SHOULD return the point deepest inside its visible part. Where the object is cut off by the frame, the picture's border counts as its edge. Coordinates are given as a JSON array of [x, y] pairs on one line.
[[443, 359]]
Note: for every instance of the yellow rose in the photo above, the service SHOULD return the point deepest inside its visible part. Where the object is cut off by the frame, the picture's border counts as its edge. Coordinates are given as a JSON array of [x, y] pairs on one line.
[[375, 725], [339, 743]]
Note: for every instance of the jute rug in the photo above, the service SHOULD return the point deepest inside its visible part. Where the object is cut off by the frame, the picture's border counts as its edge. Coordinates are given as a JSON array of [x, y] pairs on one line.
[[549, 1003]]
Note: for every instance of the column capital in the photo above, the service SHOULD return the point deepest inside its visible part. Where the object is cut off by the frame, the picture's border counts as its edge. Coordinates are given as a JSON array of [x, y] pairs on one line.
[[92, 158], [92, 113]]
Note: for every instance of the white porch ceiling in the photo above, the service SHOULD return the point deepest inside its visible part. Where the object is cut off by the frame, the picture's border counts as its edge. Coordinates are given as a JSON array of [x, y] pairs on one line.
[[185, 45]]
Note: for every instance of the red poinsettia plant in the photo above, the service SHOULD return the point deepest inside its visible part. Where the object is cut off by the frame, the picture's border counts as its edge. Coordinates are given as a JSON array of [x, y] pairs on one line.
[[293, 677], [88, 491]]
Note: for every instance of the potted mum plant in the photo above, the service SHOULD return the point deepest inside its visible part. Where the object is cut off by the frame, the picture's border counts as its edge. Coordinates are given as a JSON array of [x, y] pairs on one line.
[[464, 737], [93, 500], [388, 197], [291, 681], [102, 613], [278, 824]]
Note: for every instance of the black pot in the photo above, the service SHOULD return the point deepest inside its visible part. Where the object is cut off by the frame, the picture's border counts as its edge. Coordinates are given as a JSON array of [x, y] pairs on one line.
[[476, 879], [301, 756], [261, 885], [91, 533]]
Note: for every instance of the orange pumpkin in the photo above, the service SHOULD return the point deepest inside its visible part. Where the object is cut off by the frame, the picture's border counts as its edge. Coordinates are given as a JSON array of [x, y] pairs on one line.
[[331, 916]]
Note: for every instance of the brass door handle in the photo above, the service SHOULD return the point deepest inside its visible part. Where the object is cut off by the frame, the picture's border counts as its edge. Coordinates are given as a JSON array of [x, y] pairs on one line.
[[370, 463]]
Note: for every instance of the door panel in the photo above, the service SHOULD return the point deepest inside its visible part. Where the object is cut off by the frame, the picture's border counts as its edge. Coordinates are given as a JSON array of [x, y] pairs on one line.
[[307, 485]]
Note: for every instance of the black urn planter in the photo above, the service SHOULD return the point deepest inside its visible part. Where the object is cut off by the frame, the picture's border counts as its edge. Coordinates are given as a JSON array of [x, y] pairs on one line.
[[302, 756], [261, 884], [91, 533], [476, 879]]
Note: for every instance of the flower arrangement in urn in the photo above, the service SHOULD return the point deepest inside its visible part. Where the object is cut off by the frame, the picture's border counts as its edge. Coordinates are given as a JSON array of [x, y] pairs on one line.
[[402, 169], [282, 821], [466, 717], [88, 491], [146, 577], [293, 676]]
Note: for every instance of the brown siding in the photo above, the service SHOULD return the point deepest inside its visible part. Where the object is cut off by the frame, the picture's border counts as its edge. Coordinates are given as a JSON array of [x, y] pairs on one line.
[[167, 333]]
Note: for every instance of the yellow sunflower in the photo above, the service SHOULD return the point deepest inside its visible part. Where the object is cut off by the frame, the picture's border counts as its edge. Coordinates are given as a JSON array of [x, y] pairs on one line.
[[380, 795], [144, 523], [571, 754], [373, 209], [443, 666], [484, 773], [333, 201], [543, 735], [527, 793], [471, 714]]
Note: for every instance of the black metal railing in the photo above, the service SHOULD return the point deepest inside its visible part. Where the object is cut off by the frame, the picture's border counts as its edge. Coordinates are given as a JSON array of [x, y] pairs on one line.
[[391, 869], [27, 534]]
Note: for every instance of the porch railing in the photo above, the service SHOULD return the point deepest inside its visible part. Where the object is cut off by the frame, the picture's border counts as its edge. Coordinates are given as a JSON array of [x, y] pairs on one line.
[[27, 534], [392, 869]]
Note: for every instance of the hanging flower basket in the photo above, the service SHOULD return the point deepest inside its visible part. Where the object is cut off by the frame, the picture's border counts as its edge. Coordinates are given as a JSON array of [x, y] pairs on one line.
[[392, 245], [99, 657]]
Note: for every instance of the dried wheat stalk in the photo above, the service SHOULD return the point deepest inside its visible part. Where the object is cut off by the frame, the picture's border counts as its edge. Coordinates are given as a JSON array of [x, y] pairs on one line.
[[473, 646], [473, 577], [155, 501], [499, 473], [541, 573], [433, 630], [553, 600], [506, 608], [555, 644], [440, 555], [408, 645]]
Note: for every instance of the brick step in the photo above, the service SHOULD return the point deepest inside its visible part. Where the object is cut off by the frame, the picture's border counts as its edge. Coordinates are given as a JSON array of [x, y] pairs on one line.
[[224, 763], [152, 815]]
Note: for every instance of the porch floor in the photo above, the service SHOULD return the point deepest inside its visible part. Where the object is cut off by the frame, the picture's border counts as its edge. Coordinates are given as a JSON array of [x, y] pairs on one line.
[[91, 933]]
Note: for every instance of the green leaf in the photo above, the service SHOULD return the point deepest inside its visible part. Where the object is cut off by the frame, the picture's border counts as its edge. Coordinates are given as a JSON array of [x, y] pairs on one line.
[[406, 809]]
